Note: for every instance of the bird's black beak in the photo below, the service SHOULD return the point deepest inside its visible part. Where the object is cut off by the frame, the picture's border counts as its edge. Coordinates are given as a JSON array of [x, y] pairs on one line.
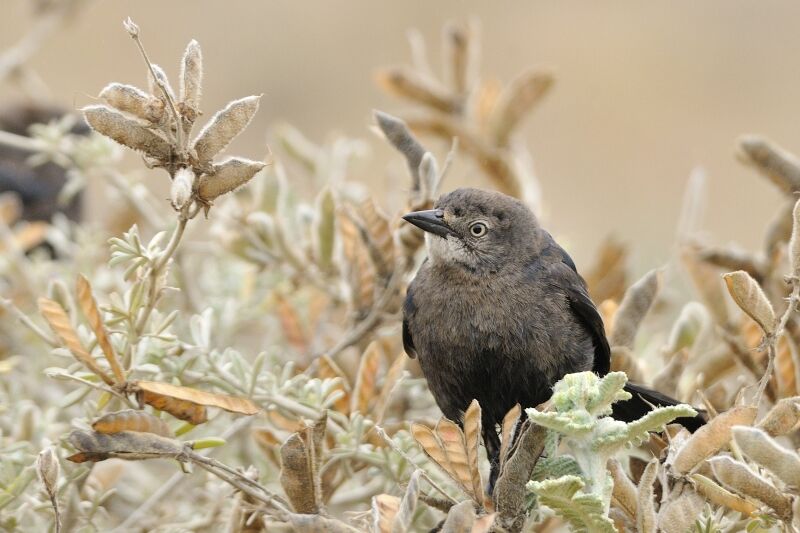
[[431, 221]]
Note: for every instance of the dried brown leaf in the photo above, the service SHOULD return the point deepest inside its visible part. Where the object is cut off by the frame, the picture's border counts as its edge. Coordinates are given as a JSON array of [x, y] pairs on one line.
[[634, 306], [472, 440], [328, 369], [131, 420], [679, 515], [379, 236], [738, 477], [174, 398], [384, 509], [224, 126], [406, 83], [59, 322], [454, 445], [507, 432], [747, 294], [360, 274], [130, 445], [430, 444], [623, 359], [88, 305], [710, 438], [297, 475], [390, 380], [10, 208], [366, 379], [129, 132], [291, 325]]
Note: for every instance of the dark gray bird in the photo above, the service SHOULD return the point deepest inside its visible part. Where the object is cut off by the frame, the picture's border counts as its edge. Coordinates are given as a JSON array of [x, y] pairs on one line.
[[499, 313]]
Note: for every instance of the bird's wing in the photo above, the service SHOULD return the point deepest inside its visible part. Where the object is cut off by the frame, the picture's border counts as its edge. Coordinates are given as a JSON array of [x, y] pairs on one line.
[[567, 279], [408, 309]]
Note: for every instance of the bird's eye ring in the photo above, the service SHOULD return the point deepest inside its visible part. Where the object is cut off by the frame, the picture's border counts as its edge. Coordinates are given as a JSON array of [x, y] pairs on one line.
[[478, 229]]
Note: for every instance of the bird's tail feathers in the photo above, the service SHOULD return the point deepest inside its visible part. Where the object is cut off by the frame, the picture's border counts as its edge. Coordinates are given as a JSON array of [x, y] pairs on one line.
[[642, 403]]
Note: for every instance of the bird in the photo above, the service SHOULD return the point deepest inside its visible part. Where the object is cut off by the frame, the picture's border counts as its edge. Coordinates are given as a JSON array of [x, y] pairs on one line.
[[498, 312]]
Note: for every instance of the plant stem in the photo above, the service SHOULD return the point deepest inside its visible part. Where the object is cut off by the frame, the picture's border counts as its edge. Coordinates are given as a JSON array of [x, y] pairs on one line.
[[772, 341]]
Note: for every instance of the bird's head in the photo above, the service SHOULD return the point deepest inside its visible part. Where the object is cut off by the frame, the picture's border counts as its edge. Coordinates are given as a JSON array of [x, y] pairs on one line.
[[477, 230]]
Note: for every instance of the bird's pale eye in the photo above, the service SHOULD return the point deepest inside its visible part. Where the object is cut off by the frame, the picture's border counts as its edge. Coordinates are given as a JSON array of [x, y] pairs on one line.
[[478, 229]]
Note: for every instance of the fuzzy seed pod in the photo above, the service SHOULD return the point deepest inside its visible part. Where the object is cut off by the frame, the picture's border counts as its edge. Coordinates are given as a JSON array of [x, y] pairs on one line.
[[155, 88], [782, 418], [227, 176], [741, 479], [131, 420], [634, 306], [519, 97], [773, 162], [192, 76], [181, 190], [127, 131], [133, 100], [397, 133], [763, 450], [794, 242], [47, 468], [429, 177], [747, 294], [224, 126]]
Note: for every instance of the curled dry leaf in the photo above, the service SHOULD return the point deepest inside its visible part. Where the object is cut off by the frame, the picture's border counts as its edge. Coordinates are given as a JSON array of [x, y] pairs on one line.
[[298, 476], [48, 468], [189, 404], [390, 380], [741, 479], [384, 509], [710, 438], [88, 305], [633, 308], [645, 508], [430, 442], [133, 100], [510, 421], [782, 418], [127, 131], [131, 420], [131, 445], [721, 496], [227, 177], [59, 322], [764, 451], [379, 237], [747, 294], [458, 457], [191, 76], [223, 127]]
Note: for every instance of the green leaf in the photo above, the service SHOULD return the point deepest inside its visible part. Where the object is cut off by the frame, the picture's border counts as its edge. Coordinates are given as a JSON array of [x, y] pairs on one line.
[[584, 512]]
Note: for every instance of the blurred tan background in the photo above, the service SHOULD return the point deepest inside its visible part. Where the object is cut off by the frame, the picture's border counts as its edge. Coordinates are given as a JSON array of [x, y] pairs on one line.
[[644, 93]]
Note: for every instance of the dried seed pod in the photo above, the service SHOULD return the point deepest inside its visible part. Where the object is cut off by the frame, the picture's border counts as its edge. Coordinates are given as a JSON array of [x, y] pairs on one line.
[[181, 189], [678, 515], [782, 418], [384, 509], [722, 496], [623, 359], [133, 100], [773, 162], [710, 438], [741, 479], [624, 495], [763, 450], [224, 126], [429, 177], [645, 508], [405, 513], [227, 176], [192, 76], [794, 242], [747, 294], [127, 131], [407, 83], [517, 99], [131, 420], [129, 445], [366, 379], [47, 468], [634, 306], [397, 133], [155, 84], [460, 518]]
